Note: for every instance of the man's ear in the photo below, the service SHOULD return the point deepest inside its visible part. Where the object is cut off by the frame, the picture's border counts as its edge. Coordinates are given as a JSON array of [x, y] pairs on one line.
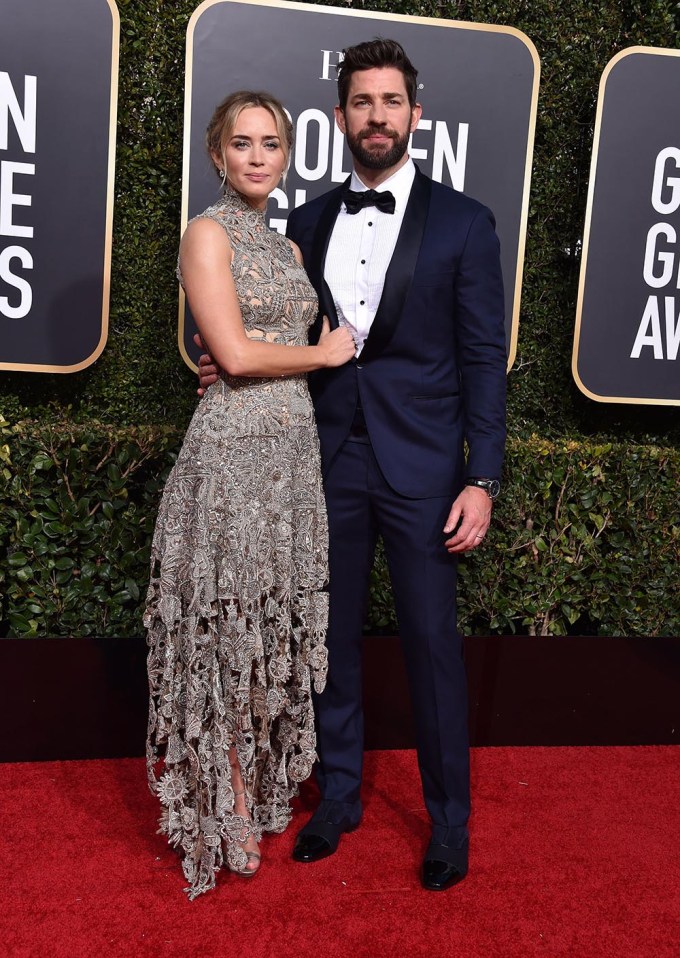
[[340, 119], [416, 113]]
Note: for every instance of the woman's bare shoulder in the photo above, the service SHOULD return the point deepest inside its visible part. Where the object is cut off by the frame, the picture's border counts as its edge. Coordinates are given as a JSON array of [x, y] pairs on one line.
[[205, 227], [204, 234]]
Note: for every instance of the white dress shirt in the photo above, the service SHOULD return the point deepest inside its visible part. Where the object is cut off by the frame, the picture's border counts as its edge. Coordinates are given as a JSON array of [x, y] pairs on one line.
[[360, 250]]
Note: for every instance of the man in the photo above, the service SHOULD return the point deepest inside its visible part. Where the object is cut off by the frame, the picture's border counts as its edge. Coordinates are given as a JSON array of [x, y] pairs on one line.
[[413, 268]]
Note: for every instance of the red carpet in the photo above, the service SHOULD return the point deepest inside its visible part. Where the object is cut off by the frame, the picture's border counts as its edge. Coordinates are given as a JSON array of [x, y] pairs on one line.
[[574, 852]]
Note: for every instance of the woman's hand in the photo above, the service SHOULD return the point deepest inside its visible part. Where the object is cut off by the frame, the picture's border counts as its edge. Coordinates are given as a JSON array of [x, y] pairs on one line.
[[337, 345], [208, 370]]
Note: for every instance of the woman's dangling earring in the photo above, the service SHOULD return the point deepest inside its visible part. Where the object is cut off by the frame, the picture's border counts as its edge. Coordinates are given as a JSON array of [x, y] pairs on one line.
[[223, 175]]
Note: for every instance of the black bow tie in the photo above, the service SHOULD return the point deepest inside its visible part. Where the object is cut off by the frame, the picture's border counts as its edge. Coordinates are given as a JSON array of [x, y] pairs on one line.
[[383, 201]]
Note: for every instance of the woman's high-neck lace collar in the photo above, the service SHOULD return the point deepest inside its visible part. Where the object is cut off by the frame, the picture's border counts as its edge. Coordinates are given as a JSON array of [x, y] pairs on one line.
[[237, 201]]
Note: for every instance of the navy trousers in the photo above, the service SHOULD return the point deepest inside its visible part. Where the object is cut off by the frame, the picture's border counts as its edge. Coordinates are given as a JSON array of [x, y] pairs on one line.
[[361, 506]]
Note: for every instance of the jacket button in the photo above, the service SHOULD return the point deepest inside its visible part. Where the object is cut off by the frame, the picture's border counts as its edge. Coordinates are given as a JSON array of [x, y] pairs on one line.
[[359, 366]]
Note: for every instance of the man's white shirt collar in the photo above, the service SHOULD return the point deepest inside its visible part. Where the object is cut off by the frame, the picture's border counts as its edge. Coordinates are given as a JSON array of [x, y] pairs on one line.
[[399, 184]]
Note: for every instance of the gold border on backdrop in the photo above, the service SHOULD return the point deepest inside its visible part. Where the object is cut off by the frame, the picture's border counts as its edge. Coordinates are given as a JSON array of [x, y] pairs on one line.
[[369, 15], [653, 51], [106, 289]]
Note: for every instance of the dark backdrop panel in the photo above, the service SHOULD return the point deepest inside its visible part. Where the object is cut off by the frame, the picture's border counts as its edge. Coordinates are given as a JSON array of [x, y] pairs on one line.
[[638, 119], [71, 47], [483, 77]]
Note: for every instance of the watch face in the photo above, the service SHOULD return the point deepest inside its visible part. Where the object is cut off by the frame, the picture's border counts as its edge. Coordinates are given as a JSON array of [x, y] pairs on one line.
[[494, 488]]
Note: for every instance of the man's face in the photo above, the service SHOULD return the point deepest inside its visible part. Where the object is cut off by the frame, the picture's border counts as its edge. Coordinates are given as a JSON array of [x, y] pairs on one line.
[[377, 119]]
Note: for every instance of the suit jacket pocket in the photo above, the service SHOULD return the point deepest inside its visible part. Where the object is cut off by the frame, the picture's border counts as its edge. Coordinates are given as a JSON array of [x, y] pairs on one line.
[[437, 396]]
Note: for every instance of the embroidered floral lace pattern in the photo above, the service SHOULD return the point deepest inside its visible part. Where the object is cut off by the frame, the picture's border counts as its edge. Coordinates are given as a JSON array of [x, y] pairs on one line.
[[237, 609]]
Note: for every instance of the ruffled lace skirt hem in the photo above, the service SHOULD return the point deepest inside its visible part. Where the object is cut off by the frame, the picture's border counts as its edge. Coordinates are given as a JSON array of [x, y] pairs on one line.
[[214, 688]]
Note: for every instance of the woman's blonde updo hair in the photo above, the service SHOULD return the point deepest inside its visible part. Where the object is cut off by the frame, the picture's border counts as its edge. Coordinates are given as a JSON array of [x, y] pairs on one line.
[[224, 119]]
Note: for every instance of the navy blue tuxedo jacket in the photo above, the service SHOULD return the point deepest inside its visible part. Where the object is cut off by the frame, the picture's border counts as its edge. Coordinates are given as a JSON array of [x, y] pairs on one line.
[[432, 372]]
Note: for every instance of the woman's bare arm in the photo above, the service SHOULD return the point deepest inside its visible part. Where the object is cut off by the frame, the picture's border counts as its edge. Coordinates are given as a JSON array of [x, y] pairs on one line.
[[205, 254]]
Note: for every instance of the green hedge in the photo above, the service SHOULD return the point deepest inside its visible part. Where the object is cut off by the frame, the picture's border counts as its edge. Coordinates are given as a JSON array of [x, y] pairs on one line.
[[77, 509], [82, 471], [582, 539]]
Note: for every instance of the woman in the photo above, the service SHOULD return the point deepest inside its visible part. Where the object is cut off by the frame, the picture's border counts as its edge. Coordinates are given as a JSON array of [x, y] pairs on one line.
[[236, 610]]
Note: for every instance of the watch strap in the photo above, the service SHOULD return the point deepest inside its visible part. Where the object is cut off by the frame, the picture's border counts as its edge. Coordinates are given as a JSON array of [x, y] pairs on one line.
[[492, 487]]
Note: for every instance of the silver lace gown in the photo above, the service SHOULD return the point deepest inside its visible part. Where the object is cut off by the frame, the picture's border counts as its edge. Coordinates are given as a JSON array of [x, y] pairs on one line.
[[237, 609]]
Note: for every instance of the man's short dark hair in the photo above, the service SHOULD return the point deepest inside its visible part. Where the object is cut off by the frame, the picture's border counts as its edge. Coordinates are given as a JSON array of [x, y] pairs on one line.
[[372, 54]]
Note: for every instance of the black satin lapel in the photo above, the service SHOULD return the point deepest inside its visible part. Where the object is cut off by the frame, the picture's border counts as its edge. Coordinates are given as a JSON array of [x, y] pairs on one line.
[[322, 236], [401, 269]]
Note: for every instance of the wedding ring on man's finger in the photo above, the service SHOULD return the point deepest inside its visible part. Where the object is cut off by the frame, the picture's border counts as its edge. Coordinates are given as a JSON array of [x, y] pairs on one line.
[[479, 537]]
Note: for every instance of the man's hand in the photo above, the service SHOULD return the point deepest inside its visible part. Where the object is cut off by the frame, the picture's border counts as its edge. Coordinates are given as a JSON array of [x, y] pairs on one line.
[[473, 509], [208, 372]]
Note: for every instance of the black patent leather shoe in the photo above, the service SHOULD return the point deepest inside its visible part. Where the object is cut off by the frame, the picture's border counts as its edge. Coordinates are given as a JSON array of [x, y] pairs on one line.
[[314, 847], [321, 835], [444, 867]]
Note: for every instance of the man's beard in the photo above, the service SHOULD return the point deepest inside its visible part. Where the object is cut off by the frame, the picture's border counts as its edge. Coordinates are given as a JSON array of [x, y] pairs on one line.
[[377, 159]]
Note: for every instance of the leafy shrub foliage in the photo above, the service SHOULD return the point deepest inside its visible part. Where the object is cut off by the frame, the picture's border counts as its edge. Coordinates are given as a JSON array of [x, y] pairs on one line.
[[78, 506], [583, 538]]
